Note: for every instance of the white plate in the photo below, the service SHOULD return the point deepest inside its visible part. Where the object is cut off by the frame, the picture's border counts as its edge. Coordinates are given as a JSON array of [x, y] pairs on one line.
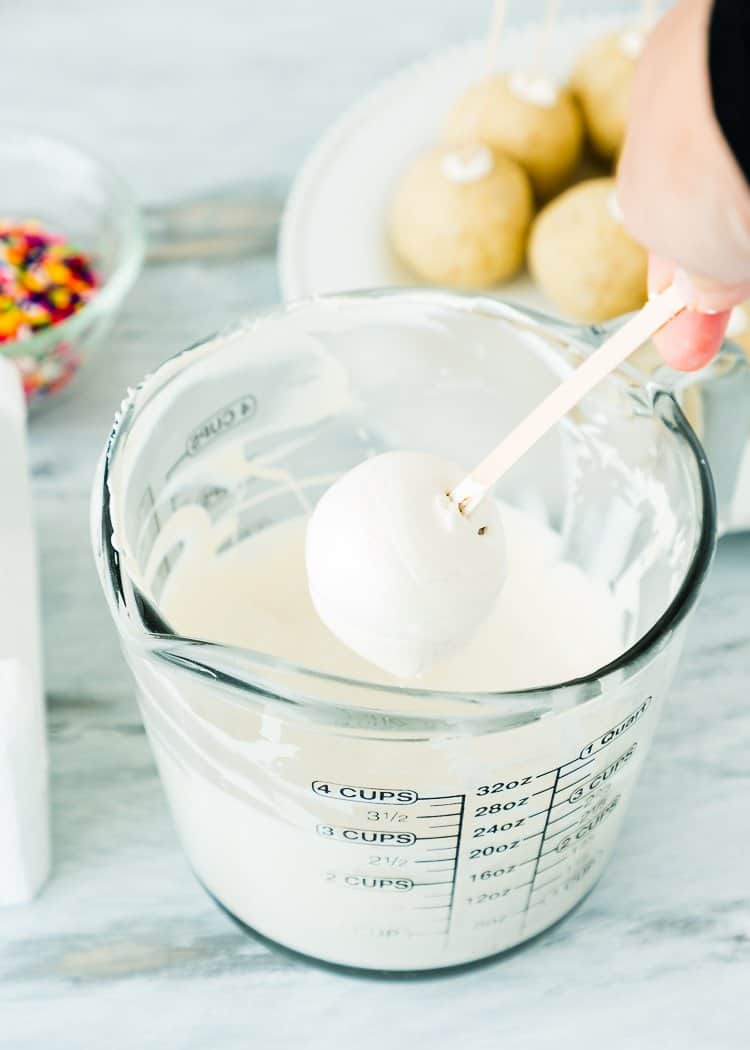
[[333, 229], [333, 235]]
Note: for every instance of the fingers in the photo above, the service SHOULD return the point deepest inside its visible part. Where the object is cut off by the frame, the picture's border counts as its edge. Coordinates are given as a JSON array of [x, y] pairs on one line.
[[693, 339], [710, 296], [679, 186], [702, 294], [660, 273]]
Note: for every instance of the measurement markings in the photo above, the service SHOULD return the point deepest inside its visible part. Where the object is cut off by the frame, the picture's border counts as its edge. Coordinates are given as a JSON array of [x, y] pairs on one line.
[[566, 814], [543, 871], [536, 904], [455, 866], [580, 767], [538, 813], [562, 831], [569, 786], [570, 762], [440, 816], [543, 885], [515, 914], [440, 849], [541, 841], [523, 863], [555, 849], [547, 773]]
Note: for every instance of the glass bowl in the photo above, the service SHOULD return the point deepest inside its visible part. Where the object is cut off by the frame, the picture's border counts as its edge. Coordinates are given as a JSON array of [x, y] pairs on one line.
[[308, 795], [71, 193]]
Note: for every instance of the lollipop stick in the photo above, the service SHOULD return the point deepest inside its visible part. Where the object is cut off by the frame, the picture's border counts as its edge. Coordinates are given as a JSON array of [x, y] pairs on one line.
[[494, 34], [545, 35], [613, 352], [649, 14], [473, 145]]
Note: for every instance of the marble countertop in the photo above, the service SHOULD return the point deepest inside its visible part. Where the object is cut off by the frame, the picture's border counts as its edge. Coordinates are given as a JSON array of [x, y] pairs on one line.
[[123, 949]]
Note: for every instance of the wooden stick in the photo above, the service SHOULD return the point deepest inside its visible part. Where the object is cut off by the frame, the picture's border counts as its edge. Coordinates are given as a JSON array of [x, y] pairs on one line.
[[653, 316], [649, 14], [474, 143], [545, 36], [495, 32]]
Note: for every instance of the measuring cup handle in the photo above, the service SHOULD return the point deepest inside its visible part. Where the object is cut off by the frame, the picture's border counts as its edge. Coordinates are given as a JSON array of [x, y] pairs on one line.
[[716, 402]]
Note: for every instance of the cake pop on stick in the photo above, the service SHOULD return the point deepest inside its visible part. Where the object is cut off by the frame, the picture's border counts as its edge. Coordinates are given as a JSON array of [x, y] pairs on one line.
[[621, 344], [461, 214], [602, 79], [526, 115], [405, 555]]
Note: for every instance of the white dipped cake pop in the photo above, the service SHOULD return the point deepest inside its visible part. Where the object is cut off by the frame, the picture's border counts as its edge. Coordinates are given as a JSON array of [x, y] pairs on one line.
[[460, 217], [601, 81], [582, 256], [395, 570], [530, 118]]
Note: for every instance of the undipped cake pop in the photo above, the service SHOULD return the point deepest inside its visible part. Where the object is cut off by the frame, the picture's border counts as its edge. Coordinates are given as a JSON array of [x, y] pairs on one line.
[[583, 258], [531, 119], [461, 217], [601, 82], [395, 570]]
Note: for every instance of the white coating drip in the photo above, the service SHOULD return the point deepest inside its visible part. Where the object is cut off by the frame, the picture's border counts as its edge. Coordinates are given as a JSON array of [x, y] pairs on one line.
[[541, 91], [469, 164]]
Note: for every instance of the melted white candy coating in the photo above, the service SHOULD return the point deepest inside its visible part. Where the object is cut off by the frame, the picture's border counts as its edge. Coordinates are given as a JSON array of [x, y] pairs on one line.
[[395, 570], [469, 164], [541, 91]]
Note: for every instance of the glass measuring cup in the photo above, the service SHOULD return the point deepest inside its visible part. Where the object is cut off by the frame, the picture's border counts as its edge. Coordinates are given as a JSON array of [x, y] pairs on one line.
[[367, 825]]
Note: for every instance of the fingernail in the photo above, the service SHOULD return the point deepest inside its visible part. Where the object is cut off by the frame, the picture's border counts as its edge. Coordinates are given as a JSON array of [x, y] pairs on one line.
[[656, 282], [685, 285], [654, 286]]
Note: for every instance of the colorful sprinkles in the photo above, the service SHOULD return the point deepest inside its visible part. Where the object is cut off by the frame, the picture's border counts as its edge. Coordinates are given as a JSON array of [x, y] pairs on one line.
[[43, 281]]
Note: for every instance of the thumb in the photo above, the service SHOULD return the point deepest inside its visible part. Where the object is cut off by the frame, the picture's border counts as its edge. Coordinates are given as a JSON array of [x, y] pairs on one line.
[[710, 296], [694, 337]]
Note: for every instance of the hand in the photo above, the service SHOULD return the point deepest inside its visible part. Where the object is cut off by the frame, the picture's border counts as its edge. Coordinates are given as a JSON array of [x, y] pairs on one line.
[[694, 338], [681, 191]]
